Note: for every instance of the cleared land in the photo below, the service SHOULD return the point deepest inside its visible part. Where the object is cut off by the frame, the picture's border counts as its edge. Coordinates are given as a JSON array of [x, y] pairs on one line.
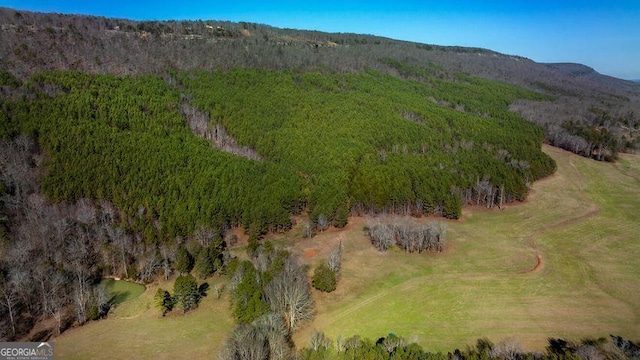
[[122, 291], [579, 230], [563, 264], [135, 331]]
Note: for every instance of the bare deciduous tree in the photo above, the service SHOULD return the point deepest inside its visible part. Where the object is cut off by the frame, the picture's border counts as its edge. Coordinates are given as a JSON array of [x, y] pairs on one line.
[[85, 212], [205, 235], [248, 343], [9, 300], [381, 235], [308, 229], [81, 258], [318, 340], [507, 349], [149, 265], [56, 297], [168, 253], [323, 222], [277, 333], [410, 236], [289, 296], [334, 260], [589, 352], [124, 242]]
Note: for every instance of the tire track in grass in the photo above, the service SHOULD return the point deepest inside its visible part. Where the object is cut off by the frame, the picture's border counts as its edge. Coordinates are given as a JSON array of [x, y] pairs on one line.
[[407, 285], [593, 210]]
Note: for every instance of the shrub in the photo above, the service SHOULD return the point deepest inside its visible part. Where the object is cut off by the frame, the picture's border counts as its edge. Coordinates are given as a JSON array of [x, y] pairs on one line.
[[324, 279]]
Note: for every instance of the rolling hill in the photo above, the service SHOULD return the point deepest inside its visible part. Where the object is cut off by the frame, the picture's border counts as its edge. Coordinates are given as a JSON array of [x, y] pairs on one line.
[[128, 146], [99, 45]]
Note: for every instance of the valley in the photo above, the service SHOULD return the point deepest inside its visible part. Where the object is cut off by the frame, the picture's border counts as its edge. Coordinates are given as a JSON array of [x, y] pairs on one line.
[[582, 221], [203, 188]]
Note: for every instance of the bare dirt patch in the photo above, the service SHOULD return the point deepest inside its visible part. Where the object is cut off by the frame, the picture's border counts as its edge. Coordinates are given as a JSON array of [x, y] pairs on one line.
[[310, 253], [318, 246]]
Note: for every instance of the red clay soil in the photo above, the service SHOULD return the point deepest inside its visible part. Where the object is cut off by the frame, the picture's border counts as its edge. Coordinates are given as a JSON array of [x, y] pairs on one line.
[[539, 264], [310, 253]]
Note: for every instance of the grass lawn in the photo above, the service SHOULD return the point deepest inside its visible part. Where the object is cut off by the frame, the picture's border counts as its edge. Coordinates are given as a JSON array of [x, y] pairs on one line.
[[562, 264]]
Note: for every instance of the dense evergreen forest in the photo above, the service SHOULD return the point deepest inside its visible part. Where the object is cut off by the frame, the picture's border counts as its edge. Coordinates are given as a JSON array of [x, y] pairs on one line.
[[331, 144], [125, 141], [370, 142]]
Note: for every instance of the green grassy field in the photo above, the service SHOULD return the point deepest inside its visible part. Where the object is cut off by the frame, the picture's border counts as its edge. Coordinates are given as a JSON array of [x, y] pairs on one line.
[[583, 223], [563, 264], [121, 291], [134, 330]]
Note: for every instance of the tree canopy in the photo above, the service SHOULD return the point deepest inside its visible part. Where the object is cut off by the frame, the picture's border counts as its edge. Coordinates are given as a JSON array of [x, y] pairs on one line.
[[333, 144]]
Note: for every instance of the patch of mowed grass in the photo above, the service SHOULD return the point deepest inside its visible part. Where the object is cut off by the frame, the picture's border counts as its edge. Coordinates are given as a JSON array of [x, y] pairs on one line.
[[583, 221], [139, 332], [120, 291]]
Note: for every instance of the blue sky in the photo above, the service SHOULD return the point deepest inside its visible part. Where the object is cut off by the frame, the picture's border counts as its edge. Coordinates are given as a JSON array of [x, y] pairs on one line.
[[602, 34]]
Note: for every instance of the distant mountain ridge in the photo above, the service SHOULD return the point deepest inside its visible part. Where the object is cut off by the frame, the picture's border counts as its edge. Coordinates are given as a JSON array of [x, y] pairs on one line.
[[573, 69], [35, 42]]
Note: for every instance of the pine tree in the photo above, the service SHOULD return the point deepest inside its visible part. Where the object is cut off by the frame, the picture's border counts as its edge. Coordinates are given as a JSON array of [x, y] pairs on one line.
[[184, 261], [204, 265], [185, 292], [249, 302], [324, 279], [162, 301]]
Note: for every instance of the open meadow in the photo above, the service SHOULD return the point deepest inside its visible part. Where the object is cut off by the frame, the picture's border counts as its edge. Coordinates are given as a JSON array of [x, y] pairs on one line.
[[562, 264], [134, 330]]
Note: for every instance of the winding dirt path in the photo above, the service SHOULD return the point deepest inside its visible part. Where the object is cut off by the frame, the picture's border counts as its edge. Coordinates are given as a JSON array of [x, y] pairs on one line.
[[591, 211], [539, 263]]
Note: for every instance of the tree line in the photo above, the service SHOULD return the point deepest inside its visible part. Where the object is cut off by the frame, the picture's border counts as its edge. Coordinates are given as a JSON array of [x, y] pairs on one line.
[[396, 347]]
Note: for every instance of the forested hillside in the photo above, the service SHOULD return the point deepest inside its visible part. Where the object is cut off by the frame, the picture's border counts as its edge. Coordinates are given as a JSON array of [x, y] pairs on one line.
[[124, 140], [372, 143], [132, 148], [34, 42], [332, 144], [129, 183]]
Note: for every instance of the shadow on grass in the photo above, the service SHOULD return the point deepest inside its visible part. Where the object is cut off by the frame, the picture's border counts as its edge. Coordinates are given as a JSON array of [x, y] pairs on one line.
[[119, 297], [120, 291], [203, 289]]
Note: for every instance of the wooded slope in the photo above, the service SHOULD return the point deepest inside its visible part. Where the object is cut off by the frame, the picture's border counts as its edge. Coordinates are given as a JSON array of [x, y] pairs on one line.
[[33, 42], [331, 144]]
